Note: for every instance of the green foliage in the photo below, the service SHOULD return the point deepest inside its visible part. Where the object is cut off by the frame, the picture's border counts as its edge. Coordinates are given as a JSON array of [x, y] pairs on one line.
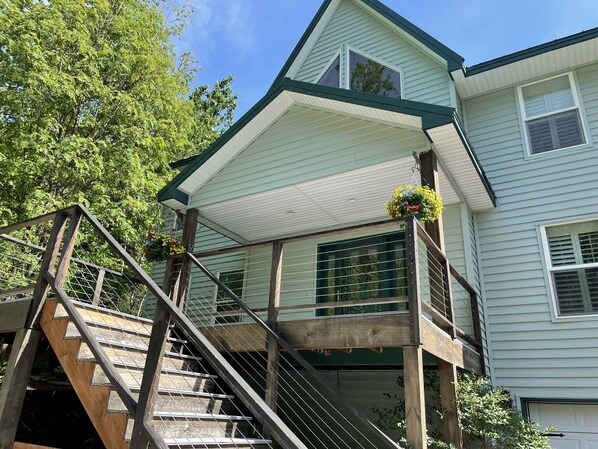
[[423, 202], [370, 77], [486, 417], [93, 107]]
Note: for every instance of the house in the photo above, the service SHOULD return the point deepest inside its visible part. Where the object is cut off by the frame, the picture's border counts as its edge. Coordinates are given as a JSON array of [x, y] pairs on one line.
[[514, 140], [286, 212]]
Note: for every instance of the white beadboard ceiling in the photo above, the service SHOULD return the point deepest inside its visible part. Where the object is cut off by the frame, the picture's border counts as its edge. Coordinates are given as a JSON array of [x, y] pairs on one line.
[[343, 199]]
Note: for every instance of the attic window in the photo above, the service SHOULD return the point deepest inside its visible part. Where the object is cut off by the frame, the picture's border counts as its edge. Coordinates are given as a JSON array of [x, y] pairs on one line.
[[366, 75], [331, 76], [573, 251]]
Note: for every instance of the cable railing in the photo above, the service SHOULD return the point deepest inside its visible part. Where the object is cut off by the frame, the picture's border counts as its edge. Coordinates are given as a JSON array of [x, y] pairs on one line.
[[196, 398]]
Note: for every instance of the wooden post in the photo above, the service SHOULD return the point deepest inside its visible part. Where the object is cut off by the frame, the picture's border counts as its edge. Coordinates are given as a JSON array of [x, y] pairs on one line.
[[271, 393], [429, 177], [14, 386], [415, 404], [413, 292], [450, 428], [98, 288], [189, 233]]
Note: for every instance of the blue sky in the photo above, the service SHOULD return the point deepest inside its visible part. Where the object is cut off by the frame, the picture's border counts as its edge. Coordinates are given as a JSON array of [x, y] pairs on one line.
[[251, 39]]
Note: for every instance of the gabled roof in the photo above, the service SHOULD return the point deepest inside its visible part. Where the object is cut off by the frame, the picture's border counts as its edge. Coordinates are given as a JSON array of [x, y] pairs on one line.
[[405, 113], [453, 60]]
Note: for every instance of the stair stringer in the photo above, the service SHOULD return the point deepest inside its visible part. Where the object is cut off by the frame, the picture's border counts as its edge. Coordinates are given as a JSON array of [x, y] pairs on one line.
[[110, 426]]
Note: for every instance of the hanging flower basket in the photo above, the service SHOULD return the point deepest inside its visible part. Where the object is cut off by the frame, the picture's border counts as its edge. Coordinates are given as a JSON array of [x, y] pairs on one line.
[[159, 246], [422, 202]]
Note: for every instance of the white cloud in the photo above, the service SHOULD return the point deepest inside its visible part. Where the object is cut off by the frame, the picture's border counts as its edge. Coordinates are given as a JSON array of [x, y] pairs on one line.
[[219, 24]]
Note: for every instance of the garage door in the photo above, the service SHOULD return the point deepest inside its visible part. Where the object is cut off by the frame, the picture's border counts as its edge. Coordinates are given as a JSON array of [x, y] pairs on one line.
[[577, 422]]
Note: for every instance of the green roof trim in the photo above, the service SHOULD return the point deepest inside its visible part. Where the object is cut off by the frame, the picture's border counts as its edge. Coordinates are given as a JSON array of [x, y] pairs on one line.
[[454, 60], [431, 116], [532, 51], [474, 160]]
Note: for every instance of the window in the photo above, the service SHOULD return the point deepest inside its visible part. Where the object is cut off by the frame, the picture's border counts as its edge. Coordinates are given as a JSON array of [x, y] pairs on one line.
[[366, 75], [573, 252], [362, 269], [234, 281], [331, 76], [551, 115]]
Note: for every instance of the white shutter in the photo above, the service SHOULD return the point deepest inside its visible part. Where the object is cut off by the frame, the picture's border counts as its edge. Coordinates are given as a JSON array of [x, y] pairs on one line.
[[548, 96]]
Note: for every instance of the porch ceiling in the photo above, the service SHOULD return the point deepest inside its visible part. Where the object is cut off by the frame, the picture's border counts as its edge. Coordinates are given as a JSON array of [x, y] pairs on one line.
[[348, 198]]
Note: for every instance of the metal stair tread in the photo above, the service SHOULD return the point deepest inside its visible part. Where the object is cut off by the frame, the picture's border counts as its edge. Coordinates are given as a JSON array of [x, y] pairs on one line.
[[203, 394], [215, 441], [166, 370], [202, 416]]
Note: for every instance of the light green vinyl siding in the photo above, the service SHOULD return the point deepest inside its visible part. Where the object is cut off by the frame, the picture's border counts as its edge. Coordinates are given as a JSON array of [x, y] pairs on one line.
[[306, 144], [424, 78], [533, 353]]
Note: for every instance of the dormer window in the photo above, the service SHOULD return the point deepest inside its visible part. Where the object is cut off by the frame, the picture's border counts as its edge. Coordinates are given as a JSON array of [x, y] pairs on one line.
[[367, 75], [331, 76]]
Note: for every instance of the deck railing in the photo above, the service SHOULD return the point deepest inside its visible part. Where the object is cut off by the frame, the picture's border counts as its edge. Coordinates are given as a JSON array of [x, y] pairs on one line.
[[397, 270]]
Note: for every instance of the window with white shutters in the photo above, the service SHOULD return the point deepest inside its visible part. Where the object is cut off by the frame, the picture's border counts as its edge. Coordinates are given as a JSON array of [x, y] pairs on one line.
[[551, 114], [573, 251]]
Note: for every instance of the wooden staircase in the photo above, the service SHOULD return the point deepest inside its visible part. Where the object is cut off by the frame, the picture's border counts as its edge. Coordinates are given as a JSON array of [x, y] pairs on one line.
[[190, 411]]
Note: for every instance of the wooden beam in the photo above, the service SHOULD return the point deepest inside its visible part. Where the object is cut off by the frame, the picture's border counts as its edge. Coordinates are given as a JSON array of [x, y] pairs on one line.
[[341, 331], [450, 428], [189, 233], [415, 404], [430, 178], [13, 314], [18, 445], [440, 344], [15, 382], [271, 393], [415, 307], [98, 288], [20, 362]]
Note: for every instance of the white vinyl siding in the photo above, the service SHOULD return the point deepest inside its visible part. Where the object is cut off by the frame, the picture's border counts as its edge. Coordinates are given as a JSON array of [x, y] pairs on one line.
[[533, 354], [573, 266], [551, 114]]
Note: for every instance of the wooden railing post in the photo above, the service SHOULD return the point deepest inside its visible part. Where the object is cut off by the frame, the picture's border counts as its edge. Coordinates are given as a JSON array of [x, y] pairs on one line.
[[271, 393], [20, 361], [97, 291], [189, 233], [413, 291]]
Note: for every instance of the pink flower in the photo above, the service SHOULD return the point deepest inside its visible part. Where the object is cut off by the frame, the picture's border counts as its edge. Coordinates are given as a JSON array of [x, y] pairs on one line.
[[415, 208]]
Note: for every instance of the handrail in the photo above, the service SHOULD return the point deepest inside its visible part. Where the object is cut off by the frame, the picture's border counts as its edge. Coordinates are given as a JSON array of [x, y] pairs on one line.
[[322, 305], [240, 387], [40, 249], [289, 349]]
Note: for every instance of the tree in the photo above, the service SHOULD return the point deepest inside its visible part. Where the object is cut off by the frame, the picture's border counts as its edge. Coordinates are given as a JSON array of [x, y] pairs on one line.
[[93, 107]]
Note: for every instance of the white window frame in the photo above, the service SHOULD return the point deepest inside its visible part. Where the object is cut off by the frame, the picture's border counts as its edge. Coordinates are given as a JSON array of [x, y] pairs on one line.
[[347, 74], [340, 70], [577, 106], [551, 269]]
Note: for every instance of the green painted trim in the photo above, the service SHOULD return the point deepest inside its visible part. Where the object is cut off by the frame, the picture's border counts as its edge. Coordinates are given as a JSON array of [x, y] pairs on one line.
[[453, 60], [531, 52], [431, 115], [474, 160], [182, 162], [525, 401]]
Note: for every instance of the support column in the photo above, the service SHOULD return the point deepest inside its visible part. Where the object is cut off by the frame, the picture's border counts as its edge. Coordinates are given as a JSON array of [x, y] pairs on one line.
[[450, 428], [20, 361], [415, 404], [189, 233], [429, 177], [271, 393]]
